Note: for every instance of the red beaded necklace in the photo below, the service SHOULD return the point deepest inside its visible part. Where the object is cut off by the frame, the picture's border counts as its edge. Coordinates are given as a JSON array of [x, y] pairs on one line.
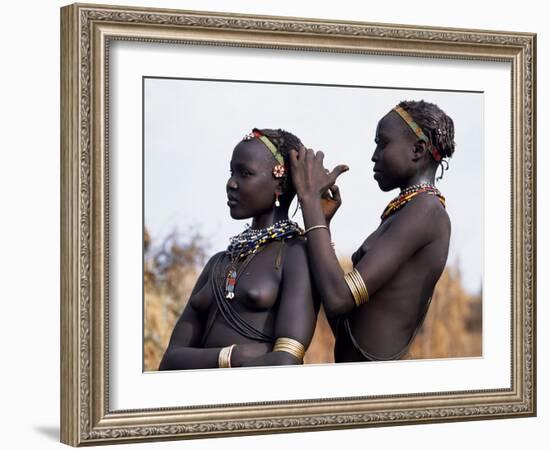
[[407, 195]]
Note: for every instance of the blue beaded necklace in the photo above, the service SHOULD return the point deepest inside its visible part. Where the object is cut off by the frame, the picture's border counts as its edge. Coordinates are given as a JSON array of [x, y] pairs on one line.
[[249, 242]]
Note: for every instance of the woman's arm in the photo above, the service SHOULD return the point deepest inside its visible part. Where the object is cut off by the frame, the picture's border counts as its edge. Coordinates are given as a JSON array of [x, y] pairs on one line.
[[326, 271], [297, 312], [184, 351], [310, 180], [188, 332], [385, 256]]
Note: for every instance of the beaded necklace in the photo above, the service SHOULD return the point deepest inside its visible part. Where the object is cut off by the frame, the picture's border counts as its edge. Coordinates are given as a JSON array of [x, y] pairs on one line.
[[249, 242], [406, 195]]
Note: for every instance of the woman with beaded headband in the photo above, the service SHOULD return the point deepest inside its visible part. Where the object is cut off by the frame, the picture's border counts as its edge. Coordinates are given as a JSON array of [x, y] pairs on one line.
[[376, 309], [253, 303]]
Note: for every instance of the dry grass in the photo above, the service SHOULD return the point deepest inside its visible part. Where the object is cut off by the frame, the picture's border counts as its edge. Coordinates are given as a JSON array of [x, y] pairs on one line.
[[452, 327], [170, 273], [453, 324]]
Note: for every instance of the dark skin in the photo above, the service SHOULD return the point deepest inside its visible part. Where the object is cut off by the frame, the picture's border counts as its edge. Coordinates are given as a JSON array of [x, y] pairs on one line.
[[278, 301], [400, 262]]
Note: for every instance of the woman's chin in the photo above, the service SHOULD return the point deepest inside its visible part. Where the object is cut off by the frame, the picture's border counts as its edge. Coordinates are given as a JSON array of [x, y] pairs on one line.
[[383, 187], [237, 215]]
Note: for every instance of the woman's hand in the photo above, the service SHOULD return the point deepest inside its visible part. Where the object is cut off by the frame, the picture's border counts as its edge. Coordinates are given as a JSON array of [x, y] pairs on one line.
[[330, 202], [309, 177], [244, 352]]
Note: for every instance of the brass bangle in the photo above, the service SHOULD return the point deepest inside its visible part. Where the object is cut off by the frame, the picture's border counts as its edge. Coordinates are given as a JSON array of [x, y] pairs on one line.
[[229, 353], [357, 287], [224, 357], [314, 227], [291, 346], [362, 288]]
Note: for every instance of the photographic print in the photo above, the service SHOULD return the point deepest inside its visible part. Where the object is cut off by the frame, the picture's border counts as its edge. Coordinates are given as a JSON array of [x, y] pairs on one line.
[[192, 130]]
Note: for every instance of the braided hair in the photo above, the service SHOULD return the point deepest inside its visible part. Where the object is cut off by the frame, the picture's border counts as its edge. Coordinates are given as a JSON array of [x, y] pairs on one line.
[[285, 142], [436, 125]]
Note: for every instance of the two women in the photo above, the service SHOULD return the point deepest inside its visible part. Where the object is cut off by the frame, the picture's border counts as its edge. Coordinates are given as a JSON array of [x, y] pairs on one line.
[[375, 310]]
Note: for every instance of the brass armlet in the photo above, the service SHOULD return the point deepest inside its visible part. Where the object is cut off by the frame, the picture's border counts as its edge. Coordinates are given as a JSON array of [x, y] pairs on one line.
[[357, 287], [291, 346]]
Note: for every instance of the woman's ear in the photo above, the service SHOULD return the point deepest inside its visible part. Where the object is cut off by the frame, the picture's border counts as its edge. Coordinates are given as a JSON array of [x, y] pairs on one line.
[[419, 150]]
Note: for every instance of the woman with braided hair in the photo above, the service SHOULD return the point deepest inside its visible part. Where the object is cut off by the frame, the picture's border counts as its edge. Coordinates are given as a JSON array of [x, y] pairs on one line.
[[252, 305], [376, 310]]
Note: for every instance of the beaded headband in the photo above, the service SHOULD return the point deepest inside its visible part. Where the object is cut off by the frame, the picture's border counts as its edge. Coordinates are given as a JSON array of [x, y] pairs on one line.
[[418, 131], [279, 170]]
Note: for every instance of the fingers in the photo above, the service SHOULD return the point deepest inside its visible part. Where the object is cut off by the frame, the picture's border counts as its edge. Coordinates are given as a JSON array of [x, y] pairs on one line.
[[307, 157], [332, 193], [337, 171], [299, 153], [335, 190], [327, 194], [319, 157], [302, 152], [310, 155], [293, 156], [296, 156]]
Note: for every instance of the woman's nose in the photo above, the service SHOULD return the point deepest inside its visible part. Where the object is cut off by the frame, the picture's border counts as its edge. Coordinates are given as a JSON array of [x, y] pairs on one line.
[[231, 184], [374, 157]]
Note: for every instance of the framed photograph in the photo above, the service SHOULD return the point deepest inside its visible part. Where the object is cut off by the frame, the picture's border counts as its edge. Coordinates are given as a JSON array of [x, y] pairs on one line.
[[156, 106]]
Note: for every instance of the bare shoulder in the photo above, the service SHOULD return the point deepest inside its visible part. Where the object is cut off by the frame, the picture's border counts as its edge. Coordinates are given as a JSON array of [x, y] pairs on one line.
[[297, 287], [215, 256], [205, 273], [427, 212], [430, 205], [296, 252], [194, 299], [212, 260], [297, 243]]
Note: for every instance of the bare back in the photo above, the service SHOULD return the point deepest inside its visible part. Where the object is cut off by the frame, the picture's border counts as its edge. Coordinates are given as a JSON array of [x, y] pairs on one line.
[[385, 325]]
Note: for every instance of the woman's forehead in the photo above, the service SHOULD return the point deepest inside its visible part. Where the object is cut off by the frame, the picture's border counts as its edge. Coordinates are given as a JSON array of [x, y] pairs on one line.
[[390, 125], [251, 152]]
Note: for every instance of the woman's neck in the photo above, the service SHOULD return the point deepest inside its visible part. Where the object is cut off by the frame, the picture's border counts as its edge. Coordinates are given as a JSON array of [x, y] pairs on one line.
[[269, 218], [422, 178]]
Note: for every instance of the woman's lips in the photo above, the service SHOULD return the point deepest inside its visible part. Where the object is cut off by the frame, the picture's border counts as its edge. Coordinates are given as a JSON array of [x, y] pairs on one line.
[[231, 202]]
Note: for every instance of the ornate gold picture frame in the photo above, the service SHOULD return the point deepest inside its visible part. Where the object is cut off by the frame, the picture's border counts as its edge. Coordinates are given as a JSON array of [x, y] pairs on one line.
[[87, 414]]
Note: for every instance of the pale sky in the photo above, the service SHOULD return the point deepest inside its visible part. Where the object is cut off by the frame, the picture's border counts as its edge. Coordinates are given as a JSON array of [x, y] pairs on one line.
[[192, 126]]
